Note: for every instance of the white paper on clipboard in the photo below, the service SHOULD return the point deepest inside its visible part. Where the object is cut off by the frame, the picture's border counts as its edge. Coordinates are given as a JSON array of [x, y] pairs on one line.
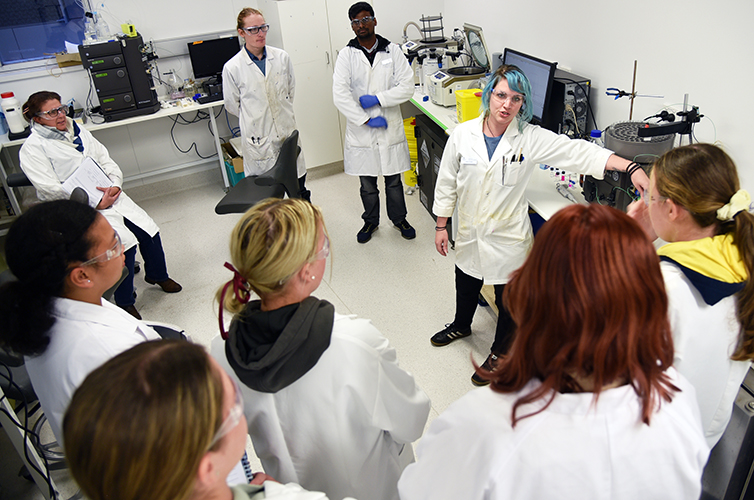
[[88, 176]]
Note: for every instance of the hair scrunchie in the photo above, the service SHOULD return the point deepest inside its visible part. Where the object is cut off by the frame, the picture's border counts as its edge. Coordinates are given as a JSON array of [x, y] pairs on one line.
[[738, 203], [240, 290]]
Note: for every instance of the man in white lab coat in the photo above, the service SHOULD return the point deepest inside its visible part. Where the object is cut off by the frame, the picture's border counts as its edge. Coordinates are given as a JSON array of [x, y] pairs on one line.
[[258, 87], [372, 78]]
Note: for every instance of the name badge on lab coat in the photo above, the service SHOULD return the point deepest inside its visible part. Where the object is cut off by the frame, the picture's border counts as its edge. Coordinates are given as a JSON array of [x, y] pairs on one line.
[[387, 62], [468, 161]]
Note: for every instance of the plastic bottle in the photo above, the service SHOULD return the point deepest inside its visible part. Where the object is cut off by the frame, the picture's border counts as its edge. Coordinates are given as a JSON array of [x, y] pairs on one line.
[[189, 89], [12, 111], [90, 31], [103, 30], [596, 137], [429, 67]]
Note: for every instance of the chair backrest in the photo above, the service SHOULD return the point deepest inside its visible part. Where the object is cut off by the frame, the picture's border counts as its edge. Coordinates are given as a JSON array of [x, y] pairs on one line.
[[284, 171]]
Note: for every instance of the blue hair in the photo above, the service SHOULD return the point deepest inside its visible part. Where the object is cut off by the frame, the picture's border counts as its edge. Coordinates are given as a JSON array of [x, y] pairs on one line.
[[517, 82]]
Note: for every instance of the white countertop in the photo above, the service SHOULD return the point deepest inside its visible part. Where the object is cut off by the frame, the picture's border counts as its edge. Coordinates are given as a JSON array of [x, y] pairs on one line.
[[92, 126]]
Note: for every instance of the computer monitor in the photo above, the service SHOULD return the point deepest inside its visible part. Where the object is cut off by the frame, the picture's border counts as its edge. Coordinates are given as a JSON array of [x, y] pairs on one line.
[[209, 56], [540, 74]]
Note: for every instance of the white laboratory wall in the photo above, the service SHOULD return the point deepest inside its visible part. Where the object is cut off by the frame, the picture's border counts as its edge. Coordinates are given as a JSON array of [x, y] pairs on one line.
[[681, 47], [690, 47]]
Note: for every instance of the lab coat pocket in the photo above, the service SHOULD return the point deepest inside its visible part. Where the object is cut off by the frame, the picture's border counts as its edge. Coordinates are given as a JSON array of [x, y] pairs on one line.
[[512, 173], [258, 148]]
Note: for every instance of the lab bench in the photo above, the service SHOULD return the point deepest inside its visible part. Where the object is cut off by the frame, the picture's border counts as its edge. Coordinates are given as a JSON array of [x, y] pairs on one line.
[[110, 132]]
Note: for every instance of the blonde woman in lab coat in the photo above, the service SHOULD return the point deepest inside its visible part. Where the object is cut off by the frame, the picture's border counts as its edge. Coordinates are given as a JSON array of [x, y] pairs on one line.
[[258, 88], [485, 168], [328, 405], [586, 405]]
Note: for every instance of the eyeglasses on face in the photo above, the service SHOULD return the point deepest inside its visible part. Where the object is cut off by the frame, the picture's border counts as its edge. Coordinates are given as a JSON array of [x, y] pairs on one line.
[[502, 97], [233, 418], [51, 113], [325, 252], [363, 21], [110, 254], [649, 198], [253, 30]]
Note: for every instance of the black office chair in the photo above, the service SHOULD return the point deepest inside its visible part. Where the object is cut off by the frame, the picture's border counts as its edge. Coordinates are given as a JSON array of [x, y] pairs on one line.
[[280, 180], [19, 179]]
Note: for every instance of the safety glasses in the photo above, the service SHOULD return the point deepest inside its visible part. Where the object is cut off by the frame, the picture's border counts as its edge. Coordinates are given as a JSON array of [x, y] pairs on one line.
[[109, 254], [253, 30], [52, 113]]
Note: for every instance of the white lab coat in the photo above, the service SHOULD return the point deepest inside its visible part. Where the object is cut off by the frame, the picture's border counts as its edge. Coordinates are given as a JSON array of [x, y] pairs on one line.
[[704, 338], [572, 450], [263, 105], [273, 489], [83, 337], [48, 163], [340, 428], [373, 151], [494, 234]]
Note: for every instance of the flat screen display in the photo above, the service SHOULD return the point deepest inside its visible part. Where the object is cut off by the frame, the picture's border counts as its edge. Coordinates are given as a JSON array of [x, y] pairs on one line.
[[209, 56], [540, 75]]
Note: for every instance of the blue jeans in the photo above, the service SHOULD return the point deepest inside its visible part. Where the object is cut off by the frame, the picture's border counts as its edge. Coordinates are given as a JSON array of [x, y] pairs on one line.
[[370, 197], [155, 267]]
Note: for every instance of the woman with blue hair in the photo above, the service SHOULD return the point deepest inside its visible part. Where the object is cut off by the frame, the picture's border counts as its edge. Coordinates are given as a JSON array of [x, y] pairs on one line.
[[485, 168]]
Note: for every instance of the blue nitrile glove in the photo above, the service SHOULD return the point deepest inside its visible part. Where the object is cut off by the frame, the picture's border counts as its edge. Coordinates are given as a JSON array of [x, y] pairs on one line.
[[367, 101], [377, 122]]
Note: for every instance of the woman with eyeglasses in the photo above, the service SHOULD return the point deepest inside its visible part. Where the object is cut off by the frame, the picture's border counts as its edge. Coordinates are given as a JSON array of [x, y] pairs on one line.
[[586, 405], [328, 405], [57, 147], [485, 168], [162, 421], [696, 204], [258, 87], [65, 255]]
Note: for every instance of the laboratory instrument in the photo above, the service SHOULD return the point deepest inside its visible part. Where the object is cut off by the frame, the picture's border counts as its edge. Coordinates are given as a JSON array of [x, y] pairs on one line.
[[120, 72], [433, 46], [443, 84], [623, 138]]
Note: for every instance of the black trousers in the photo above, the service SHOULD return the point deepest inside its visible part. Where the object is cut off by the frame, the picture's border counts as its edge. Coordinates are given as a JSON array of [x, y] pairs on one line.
[[370, 197], [467, 298]]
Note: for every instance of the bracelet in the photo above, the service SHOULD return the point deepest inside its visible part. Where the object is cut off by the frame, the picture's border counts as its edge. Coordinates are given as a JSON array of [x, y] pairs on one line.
[[632, 168], [440, 228]]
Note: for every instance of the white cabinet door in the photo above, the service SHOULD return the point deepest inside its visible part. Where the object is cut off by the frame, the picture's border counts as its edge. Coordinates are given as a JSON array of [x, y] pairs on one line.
[[340, 34], [304, 33]]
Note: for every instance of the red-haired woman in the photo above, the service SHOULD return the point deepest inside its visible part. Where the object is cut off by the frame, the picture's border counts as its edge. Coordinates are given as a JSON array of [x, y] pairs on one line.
[[586, 404]]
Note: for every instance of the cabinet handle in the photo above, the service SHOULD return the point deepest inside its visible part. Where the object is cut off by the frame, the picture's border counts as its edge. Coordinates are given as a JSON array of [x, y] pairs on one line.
[[327, 57]]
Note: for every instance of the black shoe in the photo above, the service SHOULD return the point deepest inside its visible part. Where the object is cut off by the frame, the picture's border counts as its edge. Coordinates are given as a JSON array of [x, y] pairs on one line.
[[365, 233], [406, 230], [488, 366], [448, 335], [168, 285], [131, 310]]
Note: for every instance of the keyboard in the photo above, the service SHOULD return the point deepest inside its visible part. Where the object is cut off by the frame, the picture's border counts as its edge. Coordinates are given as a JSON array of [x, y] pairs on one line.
[[210, 98]]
